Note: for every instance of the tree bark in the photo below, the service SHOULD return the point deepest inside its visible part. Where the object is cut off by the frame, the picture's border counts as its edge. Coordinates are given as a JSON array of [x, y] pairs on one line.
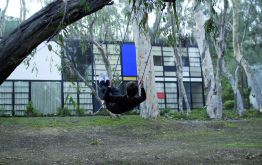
[[22, 10], [42, 26], [220, 51], [207, 65], [150, 108], [239, 105], [252, 82], [179, 67]]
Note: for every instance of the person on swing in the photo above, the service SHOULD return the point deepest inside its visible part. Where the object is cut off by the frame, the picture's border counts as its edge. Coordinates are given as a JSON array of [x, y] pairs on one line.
[[119, 104]]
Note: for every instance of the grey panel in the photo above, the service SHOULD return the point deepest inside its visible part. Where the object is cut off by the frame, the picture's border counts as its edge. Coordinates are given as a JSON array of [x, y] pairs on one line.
[[46, 96]]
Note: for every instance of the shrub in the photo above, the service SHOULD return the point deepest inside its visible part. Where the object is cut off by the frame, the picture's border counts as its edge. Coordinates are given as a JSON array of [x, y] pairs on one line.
[[30, 110], [229, 104], [252, 113], [2, 111], [63, 111], [80, 111], [165, 112]]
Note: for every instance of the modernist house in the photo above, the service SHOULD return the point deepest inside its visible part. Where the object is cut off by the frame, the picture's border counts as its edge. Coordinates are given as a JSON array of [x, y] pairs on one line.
[[48, 88]]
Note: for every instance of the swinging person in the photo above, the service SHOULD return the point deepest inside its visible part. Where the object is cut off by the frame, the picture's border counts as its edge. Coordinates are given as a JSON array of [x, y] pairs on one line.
[[118, 104]]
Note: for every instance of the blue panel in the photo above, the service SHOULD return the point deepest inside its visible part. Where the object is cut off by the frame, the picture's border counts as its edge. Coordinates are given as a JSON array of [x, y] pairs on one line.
[[129, 60]]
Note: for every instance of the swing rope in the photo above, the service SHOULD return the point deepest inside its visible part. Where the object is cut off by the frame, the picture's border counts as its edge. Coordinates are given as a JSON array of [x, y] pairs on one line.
[[150, 50], [118, 59]]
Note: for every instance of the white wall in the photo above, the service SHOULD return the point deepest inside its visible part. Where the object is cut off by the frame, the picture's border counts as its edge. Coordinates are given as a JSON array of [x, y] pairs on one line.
[[42, 66]]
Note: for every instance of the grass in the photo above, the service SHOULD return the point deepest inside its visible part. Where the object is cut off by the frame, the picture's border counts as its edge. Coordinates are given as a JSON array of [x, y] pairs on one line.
[[73, 121], [125, 120], [244, 145]]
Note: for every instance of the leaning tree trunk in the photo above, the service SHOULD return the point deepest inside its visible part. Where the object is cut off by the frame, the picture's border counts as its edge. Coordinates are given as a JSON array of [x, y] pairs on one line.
[[239, 105], [41, 26], [252, 82], [181, 88], [179, 65], [207, 65], [150, 108]]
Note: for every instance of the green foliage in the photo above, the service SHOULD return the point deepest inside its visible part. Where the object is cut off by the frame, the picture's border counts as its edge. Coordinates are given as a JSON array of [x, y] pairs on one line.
[[246, 94], [165, 111], [30, 110], [96, 141], [231, 114], [80, 111], [196, 114], [227, 94], [2, 111], [252, 113], [63, 111], [211, 28], [85, 5], [229, 104]]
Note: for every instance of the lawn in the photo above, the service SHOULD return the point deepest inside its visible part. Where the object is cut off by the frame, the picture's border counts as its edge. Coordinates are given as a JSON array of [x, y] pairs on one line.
[[129, 140]]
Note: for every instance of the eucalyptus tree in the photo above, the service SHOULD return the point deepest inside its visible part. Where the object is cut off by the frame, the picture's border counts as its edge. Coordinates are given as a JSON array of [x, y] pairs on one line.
[[2, 18], [175, 40], [143, 44], [206, 33], [238, 53], [207, 64], [42, 26]]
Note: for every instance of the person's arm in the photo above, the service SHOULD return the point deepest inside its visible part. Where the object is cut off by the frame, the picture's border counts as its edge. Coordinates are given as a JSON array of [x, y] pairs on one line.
[[143, 92], [110, 98]]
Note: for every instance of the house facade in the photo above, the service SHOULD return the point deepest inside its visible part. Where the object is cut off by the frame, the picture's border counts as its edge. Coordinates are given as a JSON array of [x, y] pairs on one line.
[[43, 80]]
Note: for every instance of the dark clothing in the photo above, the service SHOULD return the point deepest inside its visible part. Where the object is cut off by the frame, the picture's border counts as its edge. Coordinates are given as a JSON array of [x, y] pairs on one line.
[[120, 104]]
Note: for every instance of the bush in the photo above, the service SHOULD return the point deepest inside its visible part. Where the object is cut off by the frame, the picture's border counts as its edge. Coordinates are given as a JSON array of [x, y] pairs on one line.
[[30, 110], [80, 111], [229, 104], [230, 114], [63, 111], [196, 114], [252, 113], [165, 112]]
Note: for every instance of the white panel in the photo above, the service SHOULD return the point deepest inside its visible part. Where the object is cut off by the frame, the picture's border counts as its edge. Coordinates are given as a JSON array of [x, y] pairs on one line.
[[43, 64], [159, 78], [193, 50], [170, 79], [185, 68], [158, 73], [158, 68], [195, 54], [170, 73], [186, 79], [156, 48], [185, 73], [196, 79], [169, 49]]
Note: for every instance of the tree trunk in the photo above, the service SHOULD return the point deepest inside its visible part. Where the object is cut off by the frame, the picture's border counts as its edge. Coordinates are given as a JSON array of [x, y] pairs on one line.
[[239, 105], [2, 19], [220, 51], [41, 26], [22, 10], [252, 82], [181, 88], [149, 109], [179, 66], [207, 65]]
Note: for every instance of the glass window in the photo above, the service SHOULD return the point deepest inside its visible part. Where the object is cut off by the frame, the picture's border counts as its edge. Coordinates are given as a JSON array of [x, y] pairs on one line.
[[157, 60]]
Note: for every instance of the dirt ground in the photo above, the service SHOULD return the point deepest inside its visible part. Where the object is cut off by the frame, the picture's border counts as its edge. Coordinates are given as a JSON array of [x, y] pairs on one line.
[[162, 141]]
